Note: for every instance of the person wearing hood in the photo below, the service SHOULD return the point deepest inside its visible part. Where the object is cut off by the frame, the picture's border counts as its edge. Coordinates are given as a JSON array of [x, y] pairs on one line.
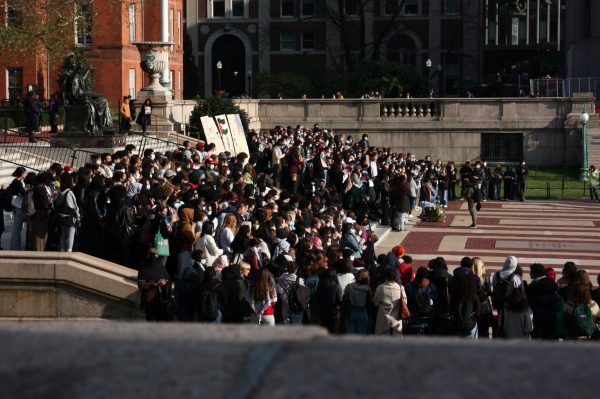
[[509, 274], [349, 239], [542, 294], [187, 238], [155, 286], [285, 284], [357, 300]]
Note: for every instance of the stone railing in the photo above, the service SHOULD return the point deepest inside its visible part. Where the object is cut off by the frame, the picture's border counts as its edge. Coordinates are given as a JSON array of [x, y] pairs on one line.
[[381, 113], [55, 285], [409, 109]]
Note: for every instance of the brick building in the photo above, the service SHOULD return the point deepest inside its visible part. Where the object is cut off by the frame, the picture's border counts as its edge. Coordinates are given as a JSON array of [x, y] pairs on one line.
[[105, 31], [253, 36]]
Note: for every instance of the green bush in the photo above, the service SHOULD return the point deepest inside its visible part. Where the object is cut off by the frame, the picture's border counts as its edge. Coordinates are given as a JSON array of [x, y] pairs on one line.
[[390, 79], [6, 122], [213, 106]]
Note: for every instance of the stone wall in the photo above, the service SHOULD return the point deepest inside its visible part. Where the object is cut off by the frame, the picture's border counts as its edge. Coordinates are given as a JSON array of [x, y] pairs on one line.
[[448, 128], [50, 285]]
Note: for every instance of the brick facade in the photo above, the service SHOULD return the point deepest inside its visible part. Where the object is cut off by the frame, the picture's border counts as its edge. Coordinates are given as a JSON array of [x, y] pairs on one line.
[[116, 60]]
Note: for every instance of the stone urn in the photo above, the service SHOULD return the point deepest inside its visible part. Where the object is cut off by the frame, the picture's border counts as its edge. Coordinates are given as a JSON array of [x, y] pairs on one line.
[[155, 58]]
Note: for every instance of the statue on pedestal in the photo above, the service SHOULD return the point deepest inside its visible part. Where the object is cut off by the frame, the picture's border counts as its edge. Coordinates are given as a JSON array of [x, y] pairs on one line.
[[89, 110]]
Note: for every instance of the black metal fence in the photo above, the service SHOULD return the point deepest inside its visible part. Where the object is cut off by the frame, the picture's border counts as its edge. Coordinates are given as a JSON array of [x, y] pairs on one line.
[[40, 155]]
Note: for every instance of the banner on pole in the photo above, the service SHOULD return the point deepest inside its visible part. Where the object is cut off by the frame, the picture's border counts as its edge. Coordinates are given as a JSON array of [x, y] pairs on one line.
[[237, 133], [225, 131], [212, 133]]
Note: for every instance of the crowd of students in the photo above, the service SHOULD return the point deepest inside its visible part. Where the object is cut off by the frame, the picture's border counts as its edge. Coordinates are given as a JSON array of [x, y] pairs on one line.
[[283, 234]]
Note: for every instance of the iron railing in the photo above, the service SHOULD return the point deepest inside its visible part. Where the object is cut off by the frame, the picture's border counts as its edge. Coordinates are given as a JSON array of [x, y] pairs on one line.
[[15, 149]]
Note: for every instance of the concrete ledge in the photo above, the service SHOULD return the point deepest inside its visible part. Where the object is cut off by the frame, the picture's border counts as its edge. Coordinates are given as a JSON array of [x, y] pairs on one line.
[[100, 360], [65, 285]]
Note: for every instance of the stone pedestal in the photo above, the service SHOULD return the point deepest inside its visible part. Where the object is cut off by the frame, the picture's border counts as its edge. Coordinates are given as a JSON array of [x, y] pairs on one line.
[[97, 144]]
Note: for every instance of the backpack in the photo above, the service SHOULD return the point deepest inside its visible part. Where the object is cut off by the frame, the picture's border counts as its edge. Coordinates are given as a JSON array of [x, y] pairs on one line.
[[466, 317], [582, 323], [423, 302], [298, 298], [209, 305], [6, 199], [28, 205], [502, 289], [126, 227]]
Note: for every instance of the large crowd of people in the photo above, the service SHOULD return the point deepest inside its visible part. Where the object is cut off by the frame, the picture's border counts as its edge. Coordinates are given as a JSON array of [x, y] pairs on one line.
[[284, 235]]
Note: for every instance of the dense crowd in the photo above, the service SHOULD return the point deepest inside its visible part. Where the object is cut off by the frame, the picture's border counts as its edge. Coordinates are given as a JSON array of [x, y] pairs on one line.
[[285, 234]]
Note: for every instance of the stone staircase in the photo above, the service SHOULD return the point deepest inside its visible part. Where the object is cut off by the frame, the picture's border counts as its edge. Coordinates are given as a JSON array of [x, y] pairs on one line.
[[593, 137]]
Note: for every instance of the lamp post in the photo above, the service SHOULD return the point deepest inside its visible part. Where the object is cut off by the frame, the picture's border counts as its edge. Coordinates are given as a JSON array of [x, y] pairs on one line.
[[428, 65], [584, 118], [219, 68]]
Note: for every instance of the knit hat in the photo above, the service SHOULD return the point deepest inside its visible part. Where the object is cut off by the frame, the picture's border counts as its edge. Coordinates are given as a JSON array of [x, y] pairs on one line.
[[510, 264], [398, 250]]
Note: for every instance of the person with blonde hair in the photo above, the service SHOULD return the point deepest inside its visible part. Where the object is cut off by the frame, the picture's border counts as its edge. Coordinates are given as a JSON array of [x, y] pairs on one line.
[[227, 233], [486, 315]]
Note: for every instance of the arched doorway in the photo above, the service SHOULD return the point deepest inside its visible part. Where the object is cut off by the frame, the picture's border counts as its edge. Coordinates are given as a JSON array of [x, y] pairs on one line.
[[230, 51]]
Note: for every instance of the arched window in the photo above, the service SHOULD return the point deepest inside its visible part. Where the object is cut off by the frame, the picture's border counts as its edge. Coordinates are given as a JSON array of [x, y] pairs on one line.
[[401, 48]]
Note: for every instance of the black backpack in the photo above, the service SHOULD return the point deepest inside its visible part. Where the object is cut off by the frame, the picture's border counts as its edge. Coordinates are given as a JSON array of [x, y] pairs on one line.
[[423, 302], [298, 298], [466, 317], [209, 305], [6, 199], [502, 289]]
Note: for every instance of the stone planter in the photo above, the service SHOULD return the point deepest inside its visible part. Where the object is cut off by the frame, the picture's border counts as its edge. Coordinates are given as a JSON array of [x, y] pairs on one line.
[[155, 57]]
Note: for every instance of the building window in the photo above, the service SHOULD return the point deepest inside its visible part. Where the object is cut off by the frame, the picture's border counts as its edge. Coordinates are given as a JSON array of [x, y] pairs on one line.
[[171, 73], [287, 8], [14, 87], [237, 8], [132, 88], [351, 7], [83, 23], [13, 13], [132, 23], [227, 8], [406, 7], [451, 73], [218, 10], [179, 28], [451, 7], [179, 85], [288, 41], [308, 40], [308, 8]]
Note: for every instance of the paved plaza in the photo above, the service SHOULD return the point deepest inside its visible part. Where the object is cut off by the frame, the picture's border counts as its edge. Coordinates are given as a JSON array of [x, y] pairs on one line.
[[549, 232]]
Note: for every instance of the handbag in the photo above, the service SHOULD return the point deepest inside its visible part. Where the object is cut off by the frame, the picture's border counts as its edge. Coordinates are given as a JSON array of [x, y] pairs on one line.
[[161, 244]]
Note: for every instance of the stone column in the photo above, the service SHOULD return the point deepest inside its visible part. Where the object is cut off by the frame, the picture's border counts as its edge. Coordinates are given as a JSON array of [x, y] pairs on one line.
[[264, 37], [472, 41], [165, 78]]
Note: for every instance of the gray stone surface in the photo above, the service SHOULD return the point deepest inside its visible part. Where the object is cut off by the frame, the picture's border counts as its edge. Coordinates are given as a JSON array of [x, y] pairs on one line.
[[37, 285], [126, 360]]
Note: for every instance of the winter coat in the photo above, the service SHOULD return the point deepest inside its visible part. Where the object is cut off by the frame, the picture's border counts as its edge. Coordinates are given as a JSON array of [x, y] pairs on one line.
[[542, 294], [387, 297], [329, 295]]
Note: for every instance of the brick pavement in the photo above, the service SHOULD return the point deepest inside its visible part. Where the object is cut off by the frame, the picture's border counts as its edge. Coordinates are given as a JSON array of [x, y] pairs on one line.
[[549, 232]]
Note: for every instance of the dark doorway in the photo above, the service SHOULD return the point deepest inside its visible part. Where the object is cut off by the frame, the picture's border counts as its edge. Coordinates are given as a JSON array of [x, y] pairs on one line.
[[502, 147], [230, 51]]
